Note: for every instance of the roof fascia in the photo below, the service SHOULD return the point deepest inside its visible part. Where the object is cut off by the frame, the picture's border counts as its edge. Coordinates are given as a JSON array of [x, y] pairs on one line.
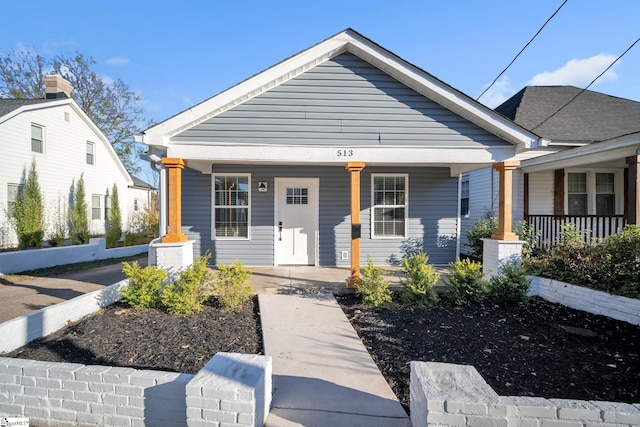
[[351, 41]]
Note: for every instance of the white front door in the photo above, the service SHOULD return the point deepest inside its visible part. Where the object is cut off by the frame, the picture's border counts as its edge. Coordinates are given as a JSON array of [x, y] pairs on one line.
[[296, 220]]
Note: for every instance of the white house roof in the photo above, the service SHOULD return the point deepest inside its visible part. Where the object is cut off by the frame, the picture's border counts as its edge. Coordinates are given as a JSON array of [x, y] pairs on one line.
[[350, 41]]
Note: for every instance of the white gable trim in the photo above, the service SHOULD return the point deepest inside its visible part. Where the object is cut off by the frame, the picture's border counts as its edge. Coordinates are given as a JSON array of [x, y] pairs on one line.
[[351, 41]]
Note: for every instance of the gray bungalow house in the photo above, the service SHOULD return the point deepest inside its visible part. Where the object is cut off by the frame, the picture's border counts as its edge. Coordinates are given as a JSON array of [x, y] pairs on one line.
[[339, 152], [585, 171]]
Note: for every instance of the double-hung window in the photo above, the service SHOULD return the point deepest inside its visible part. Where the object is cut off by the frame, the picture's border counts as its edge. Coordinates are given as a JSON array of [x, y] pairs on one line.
[[37, 138], [592, 193], [577, 199], [605, 194], [91, 153], [232, 206], [96, 209], [389, 205], [464, 197]]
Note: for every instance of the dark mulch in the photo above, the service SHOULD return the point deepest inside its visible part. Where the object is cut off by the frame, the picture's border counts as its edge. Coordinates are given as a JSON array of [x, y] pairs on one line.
[[532, 349], [151, 339]]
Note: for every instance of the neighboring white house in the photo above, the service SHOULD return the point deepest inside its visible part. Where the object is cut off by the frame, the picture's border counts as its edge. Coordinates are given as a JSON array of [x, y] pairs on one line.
[[65, 144]]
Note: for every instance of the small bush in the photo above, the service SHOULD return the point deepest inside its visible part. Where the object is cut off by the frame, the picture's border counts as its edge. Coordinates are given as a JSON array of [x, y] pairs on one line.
[[145, 285], [483, 227], [373, 286], [190, 290], [510, 286], [422, 279], [231, 287], [465, 283]]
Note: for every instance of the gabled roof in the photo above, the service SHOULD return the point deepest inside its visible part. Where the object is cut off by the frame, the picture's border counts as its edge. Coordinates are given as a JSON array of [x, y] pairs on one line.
[[350, 41], [591, 116], [143, 185], [9, 105]]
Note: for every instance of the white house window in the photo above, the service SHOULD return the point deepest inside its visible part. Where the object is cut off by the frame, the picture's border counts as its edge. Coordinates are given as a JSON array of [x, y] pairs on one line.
[[96, 208], [577, 200], [389, 205], [37, 138], [107, 207], [91, 153], [136, 205], [13, 190], [464, 197], [605, 194], [297, 196], [231, 206]]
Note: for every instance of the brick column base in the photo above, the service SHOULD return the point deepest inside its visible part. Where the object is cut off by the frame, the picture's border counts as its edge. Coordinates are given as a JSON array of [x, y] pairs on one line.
[[173, 257], [498, 252]]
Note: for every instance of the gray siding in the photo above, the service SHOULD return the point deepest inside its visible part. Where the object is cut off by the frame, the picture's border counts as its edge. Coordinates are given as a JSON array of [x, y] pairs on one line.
[[344, 101], [432, 215]]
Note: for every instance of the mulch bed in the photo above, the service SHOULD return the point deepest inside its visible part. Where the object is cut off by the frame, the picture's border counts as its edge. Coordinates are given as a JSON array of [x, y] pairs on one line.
[[532, 349], [151, 339]]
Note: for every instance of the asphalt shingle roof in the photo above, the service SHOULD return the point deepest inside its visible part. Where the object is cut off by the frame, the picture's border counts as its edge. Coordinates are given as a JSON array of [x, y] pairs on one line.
[[592, 116], [8, 105]]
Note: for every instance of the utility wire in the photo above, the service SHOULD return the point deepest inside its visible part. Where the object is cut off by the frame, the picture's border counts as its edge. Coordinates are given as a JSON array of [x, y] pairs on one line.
[[521, 50], [587, 87]]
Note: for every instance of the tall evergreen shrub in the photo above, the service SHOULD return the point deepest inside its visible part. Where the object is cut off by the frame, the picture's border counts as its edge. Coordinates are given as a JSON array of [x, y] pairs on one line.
[[114, 222], [27, 215], [79, 216]]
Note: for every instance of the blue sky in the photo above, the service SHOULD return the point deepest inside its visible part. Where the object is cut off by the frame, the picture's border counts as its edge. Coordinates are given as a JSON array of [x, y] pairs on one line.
[[176, 54]]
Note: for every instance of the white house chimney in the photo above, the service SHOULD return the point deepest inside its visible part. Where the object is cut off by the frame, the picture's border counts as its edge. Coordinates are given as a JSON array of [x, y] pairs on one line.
[[56, 87]]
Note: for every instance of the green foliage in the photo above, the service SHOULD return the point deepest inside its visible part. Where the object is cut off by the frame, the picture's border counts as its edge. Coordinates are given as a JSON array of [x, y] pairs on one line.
[[611, 265], [231, 287], [145, 285], [526, 232], [483, 227], [27, 215], [373, 286], [114, 222], [112, 105], [79, 217], [465, 283], [422, 279], [510, 286], [190, 290]]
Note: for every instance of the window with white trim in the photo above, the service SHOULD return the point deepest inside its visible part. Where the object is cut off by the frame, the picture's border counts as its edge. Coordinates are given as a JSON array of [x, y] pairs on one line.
[[464, 196], [107, 207], [136, 205], [594, 192], [91, 153], [37, 138], [232, 206], [96, 206], [13, 192], [389, 205]]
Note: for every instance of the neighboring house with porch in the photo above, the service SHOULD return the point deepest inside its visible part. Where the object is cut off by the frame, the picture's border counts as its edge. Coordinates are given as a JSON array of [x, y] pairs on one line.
[[65, 144], [585, 171], [341, 151]]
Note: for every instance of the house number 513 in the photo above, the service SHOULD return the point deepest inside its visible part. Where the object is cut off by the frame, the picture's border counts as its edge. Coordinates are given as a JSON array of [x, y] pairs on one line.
[[344, 153]]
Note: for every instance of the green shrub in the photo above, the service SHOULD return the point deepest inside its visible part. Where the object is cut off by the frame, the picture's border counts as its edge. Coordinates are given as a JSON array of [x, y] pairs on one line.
[[373, 286], [510, 286], [622, 252], [114, 222], [190, 290], [421, 280], [145, 285], [130, 239], [465, 283], [231, 287], [27, 213], [79, 217], [483, 227]]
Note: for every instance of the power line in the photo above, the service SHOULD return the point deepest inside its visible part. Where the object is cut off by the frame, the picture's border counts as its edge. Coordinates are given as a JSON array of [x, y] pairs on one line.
[[521, 50], [587, 87]]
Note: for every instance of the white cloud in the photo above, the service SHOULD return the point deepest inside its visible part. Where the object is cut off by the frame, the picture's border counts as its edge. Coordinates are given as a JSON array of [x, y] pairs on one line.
[[578, 72], [117, 61], [499, 92]]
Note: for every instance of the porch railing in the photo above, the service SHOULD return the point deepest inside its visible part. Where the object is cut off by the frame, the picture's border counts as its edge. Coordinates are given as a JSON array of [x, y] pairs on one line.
[[548, 228]]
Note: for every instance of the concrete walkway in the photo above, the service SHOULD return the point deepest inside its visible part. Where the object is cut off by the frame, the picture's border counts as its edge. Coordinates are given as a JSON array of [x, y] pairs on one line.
[[322, 373]]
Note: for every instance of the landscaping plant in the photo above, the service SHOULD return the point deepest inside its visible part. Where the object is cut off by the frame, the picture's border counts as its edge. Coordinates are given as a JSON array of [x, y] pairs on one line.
[[58, 224], [230, 285], [79, 217], [373, 286], [464, 283], [510, 286], [190, 290], [421, 280], [114, 222], [27, 213], [483, 227], [145, 285]]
